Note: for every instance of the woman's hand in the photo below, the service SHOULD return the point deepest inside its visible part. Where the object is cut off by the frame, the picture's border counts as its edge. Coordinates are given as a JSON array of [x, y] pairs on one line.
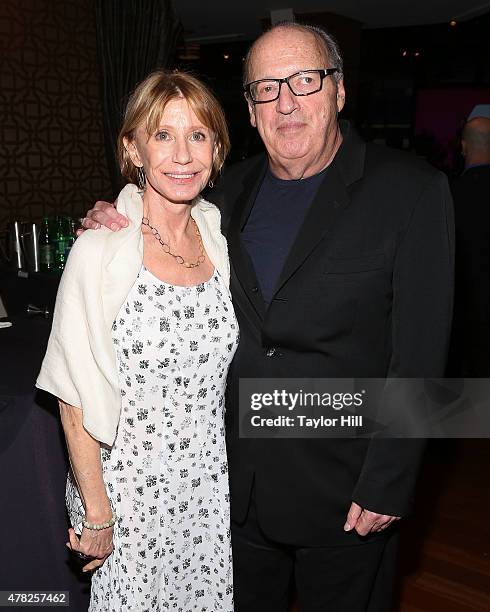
[[84, 452], [96, 544]]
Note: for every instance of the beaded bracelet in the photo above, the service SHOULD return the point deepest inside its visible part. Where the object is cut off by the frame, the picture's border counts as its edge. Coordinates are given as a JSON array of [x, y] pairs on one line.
[[98, 526]]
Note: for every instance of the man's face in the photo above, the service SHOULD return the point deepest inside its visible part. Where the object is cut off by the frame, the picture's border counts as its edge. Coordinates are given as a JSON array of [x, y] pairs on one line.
[[298, 131]]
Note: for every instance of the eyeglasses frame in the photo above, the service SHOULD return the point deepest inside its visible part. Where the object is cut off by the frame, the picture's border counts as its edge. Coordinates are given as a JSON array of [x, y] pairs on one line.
[[323, 72]]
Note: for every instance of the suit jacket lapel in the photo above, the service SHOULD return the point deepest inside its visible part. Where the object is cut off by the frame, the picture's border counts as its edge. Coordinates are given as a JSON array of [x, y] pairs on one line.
[[243, 273], [329, 202]]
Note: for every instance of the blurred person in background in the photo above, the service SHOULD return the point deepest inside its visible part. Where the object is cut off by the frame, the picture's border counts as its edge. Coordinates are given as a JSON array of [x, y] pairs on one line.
[[470, 354]]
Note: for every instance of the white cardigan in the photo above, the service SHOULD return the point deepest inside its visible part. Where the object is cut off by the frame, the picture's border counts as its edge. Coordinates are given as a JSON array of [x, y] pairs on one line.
[[80, 362]]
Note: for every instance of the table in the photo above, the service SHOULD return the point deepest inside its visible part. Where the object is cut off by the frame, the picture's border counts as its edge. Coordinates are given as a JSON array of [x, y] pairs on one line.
[[33, 468], [19, 289]]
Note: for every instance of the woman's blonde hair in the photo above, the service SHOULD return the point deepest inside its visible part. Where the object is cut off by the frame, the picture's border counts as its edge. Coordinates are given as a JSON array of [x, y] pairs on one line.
[[147, 103]]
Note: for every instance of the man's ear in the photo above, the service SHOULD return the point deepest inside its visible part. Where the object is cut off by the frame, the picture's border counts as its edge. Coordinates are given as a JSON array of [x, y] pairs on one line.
[[251, 111], [130, 146], [463, 148], [340, 95]]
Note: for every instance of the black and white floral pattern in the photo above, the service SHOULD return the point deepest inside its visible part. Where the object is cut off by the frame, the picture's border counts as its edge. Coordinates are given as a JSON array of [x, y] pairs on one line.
[[167, 474]]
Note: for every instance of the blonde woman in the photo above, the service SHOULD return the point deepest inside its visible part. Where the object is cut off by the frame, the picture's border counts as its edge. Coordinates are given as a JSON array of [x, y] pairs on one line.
[[143, 335]]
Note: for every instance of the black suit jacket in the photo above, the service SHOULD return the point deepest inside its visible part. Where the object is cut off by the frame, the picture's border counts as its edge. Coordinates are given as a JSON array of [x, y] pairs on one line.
[[366, 291]]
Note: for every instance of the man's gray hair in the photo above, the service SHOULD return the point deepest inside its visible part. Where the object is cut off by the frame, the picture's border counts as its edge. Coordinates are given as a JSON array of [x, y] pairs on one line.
[[325, 40]]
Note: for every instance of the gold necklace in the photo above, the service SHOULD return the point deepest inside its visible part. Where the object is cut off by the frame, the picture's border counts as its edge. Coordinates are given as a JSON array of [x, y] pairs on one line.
[[166, 247]]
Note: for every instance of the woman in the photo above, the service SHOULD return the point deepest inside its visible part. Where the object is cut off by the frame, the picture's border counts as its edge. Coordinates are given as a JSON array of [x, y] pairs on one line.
[[138, 357]]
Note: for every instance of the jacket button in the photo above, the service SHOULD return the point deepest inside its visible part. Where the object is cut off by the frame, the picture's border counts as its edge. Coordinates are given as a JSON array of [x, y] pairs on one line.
[[270, 352], [255, 289]]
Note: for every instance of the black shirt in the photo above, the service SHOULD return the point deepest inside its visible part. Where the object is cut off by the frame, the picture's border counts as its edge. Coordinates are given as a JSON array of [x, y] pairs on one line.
[[277, 214]]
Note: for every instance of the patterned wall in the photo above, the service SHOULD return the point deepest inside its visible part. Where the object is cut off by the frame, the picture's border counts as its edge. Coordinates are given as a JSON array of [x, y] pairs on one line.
[[52, 156]]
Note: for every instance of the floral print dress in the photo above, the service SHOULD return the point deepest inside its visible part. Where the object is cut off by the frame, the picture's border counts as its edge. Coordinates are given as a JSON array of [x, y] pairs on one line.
[[166, 474]]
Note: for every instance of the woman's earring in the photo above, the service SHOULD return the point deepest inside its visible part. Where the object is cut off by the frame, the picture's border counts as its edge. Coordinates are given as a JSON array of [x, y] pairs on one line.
[[210, 184], [141, 178]]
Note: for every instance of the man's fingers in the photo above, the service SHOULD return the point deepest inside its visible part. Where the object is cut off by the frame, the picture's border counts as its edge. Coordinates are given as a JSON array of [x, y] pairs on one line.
[[106, 214], [87, 223], [380, 522], [113, 221], [366, 522], [107, 207], [352, 516], [381, 526]]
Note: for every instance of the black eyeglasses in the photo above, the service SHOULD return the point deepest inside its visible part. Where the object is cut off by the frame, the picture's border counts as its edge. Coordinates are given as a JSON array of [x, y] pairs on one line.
[[302, 83]]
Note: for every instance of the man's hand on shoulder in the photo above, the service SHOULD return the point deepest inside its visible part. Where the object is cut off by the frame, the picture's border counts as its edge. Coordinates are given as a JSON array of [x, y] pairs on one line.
[[364, 521], [103, 213]]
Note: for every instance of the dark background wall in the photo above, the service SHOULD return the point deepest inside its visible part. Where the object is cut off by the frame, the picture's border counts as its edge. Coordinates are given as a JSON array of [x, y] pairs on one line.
[[52, 156]]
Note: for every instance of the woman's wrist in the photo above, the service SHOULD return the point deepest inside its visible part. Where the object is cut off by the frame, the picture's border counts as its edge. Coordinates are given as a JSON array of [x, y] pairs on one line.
[[98, 513], [99, 526]]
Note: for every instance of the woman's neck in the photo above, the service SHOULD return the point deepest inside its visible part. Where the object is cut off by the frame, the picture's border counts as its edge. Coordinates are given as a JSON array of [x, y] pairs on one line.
[[170, 218]]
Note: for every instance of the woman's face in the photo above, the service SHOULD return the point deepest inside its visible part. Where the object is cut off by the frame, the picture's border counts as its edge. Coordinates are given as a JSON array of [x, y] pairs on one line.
[[178, 157]]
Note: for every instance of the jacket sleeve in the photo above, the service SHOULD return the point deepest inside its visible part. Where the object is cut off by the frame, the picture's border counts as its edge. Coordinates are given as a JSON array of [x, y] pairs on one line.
[[423, 287]]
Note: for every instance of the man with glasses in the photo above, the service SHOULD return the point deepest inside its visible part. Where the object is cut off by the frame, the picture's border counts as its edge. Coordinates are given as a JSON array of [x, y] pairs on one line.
[[341, 267]]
